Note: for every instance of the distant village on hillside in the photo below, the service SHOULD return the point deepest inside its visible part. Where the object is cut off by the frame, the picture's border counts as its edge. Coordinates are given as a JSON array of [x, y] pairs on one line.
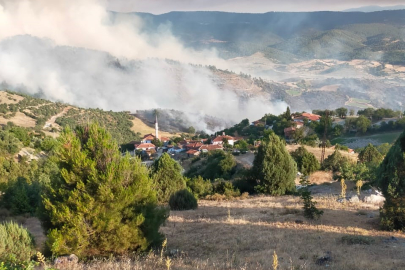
[[152, 146]]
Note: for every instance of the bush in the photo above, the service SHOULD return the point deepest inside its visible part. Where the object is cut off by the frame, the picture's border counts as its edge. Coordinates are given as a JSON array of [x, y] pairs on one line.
[[225, 188], [183, 200], [22, 197], [335, 162], [306, 161], [199, 187], [16, 243], [357, 240], [167, 177]]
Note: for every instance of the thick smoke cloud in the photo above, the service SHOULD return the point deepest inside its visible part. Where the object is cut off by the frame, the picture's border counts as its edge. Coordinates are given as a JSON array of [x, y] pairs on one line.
[[68, 50]]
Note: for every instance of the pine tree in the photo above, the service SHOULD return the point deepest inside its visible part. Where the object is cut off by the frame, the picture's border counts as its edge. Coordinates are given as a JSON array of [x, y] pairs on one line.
[[370, 154], [273, 169], [100, 203], [391, 179], [167, 177]]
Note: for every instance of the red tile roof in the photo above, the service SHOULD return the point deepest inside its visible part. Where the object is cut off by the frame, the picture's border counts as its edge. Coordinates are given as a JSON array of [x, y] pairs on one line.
[[194, 146], [220, 138], [144, 145], [312, 117], [192, 152], [211, 147]]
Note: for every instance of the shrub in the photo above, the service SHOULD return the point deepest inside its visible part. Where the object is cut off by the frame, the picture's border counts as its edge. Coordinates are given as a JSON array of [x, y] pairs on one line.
[[310, 210], [335, 162], [100, 203], [16, 243], [225, 188], [22, 197], [167, 177], [357, 240], [199, 187], [306, 161], [183, 200]]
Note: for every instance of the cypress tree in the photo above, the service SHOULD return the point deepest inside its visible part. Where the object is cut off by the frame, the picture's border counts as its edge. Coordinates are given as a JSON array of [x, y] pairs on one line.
[[100, 203], [167, 177], [273, 169], [391, 180]]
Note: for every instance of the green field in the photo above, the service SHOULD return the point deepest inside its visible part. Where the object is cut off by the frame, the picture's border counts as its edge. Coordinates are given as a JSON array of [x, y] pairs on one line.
[[357, 100], [357, 104], [377, 138], [294, 93]]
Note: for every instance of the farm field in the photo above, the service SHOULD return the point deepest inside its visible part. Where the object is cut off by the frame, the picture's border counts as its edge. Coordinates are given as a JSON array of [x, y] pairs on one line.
[[376, 139]]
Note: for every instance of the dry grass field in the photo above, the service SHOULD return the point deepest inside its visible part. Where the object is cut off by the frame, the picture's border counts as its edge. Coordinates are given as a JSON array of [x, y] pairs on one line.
[[144, 129], [318, 151], [244, 234], [19, 119]]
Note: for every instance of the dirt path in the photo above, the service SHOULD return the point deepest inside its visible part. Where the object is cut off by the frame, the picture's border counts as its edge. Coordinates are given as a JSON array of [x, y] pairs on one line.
[[52, 120]]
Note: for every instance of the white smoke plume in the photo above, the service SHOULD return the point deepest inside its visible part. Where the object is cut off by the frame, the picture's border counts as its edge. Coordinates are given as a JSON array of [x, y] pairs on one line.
[[73, 59]]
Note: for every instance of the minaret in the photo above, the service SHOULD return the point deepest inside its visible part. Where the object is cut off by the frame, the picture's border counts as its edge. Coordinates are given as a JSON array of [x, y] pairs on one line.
[[156, 128]]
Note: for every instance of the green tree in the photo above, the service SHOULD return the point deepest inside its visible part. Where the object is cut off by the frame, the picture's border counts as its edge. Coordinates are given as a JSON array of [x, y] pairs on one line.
[[362, 124], [341, 112], [384, 148], [370, 154], [100, 203], [167, 177], [287, 114], [335, 162], [351, 112], [242, 145], [157, 142], [273, 169], [191, 130], [391, 180], [306, 161]]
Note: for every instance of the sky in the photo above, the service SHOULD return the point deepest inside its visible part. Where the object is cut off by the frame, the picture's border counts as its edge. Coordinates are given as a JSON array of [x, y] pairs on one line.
[[249, 6]]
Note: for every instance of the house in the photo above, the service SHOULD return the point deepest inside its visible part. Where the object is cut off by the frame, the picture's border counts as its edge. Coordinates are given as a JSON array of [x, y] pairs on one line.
[[148, 138], [258, 123], [289, 133], [176, 149], [219, 140], [194, 146], [192, 153], [211, 147], [145, 146], [299, 125], [311, 117]]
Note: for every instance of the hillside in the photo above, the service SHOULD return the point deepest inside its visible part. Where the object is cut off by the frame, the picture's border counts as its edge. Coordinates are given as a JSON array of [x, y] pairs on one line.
[[300, 35], [50, 117]]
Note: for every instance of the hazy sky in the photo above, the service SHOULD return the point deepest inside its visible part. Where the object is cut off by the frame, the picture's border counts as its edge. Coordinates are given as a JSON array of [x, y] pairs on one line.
[[253, 6]]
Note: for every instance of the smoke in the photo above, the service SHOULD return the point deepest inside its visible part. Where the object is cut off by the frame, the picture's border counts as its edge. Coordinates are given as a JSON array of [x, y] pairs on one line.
[[69, 51]]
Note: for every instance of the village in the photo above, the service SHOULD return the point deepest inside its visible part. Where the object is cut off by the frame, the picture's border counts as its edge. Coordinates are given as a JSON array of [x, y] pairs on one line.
[[152, 146]]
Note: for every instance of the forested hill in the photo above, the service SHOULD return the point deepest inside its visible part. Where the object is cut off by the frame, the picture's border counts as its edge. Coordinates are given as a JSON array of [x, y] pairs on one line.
[[289, 36]]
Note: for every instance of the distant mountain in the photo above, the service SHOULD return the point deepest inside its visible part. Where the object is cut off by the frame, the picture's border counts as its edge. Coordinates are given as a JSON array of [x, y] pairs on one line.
[[375, 8], [288, 36]]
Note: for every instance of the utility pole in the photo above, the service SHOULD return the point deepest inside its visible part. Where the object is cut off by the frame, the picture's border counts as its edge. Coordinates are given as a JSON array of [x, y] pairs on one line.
[[324, 136]]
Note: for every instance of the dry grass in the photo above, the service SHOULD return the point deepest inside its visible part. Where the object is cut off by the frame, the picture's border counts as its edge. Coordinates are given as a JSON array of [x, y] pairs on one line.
[[144, 129], [244, 234], [318, 152], [7, 98], [321, 177], [19, 119]]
